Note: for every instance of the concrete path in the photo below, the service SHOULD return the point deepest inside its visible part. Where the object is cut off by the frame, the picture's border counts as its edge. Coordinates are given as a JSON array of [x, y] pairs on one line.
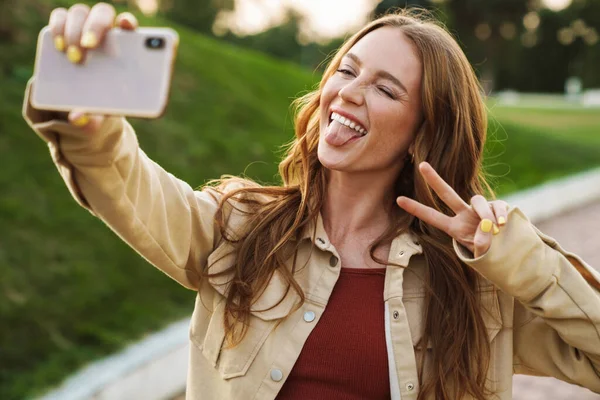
[[577, 231]]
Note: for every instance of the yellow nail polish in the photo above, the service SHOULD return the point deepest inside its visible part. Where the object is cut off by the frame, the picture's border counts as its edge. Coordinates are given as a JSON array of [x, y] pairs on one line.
[[495, 230], [501, 221], [81, 121], [59, 43], [89, 40], [486, 225], [74, 54]]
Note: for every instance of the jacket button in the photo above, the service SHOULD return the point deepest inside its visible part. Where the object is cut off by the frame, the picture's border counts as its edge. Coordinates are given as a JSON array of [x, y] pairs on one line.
[[309, 316], [401, 253], [396, 314], [410, 386], [276, 374], [333, 261]]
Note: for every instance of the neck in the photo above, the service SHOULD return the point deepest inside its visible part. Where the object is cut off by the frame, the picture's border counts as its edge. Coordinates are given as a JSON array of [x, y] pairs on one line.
[[357, 204]]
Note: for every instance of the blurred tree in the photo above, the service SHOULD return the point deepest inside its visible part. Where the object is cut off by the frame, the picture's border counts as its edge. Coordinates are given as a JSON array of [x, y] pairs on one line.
[[565, 47], [585, 22], [488, 32], [284, 41], [385, 5], [196, 14], [516, 44], [280, 41]]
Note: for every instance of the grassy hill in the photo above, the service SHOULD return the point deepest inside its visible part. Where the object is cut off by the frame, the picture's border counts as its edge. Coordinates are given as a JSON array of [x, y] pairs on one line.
[[70, 291]]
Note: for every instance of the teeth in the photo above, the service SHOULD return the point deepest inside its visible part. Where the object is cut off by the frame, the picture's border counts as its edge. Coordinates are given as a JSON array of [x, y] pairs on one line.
[[350, 124]]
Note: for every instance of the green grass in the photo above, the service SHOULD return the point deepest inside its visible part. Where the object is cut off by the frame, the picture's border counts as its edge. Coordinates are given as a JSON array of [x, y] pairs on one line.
[[574, 125], [71, 292], [527, 147]]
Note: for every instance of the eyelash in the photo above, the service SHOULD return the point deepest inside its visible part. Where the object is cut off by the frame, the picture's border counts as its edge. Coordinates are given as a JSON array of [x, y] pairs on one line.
[[387, 93], [346, 71]]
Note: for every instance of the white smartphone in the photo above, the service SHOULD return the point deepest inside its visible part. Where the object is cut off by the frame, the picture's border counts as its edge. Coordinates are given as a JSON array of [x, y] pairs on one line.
[[128, 74]]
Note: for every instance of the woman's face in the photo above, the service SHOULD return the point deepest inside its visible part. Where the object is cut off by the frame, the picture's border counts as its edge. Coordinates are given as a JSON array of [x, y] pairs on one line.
[[377, 92]]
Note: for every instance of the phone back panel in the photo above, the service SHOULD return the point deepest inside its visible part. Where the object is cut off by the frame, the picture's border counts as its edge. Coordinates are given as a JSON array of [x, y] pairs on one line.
[[123, 76]]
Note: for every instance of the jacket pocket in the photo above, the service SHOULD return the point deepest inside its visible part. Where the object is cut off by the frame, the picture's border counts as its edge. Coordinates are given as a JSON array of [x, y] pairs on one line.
[[490, 312], [232, 362], [274, 303]]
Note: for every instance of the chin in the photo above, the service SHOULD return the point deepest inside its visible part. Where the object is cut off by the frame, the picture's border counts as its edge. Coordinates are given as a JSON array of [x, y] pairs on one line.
[[333, 160]]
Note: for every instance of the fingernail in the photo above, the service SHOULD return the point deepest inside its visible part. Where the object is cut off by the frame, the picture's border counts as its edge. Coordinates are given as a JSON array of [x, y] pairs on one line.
[[74, 54], [486, 225], [89, 40], [81, 121], [59, 43], [495, 230], [501, 221]]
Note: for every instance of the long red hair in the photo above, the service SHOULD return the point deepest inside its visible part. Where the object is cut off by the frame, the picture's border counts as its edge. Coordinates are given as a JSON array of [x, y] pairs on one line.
[[451, 139]]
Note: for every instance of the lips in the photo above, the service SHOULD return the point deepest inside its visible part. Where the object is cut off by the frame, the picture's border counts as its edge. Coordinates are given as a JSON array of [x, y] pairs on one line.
[[352, 124], [342, 130], [348, 119]]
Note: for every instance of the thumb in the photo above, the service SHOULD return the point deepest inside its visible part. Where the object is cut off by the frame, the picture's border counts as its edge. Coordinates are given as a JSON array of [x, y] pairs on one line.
[[87, 122]]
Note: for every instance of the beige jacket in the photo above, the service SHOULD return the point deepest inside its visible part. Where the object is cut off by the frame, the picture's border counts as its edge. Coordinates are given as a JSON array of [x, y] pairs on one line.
[[543, 309]]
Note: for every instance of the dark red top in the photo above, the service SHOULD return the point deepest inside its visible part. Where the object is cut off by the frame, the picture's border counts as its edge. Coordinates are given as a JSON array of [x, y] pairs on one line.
[[345, 356]]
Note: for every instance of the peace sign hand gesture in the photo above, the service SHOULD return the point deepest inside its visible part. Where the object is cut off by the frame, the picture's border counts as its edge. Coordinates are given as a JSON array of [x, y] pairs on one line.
[[472, 226]]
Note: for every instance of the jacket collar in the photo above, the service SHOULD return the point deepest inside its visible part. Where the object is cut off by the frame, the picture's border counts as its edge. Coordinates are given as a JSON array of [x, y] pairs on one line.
[[403, 246]]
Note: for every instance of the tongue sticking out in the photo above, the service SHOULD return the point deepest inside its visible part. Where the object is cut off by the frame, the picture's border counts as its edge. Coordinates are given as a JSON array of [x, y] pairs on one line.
[[338, 134]]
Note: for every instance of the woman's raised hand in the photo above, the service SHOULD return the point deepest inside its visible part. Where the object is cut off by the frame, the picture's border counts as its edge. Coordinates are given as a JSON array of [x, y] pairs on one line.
[[79, 29], [473, 225]]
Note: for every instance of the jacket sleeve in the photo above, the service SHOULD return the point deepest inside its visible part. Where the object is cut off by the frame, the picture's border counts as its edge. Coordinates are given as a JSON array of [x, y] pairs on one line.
[[556, 323], [161, 217]]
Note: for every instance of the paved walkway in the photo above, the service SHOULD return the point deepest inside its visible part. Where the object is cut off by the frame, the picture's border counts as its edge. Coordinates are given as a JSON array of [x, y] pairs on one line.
[[577, 231]]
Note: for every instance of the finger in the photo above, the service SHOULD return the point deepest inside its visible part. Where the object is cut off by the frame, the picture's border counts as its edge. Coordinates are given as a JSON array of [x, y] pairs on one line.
[[481, 241], [484, 211], [500, 209], [425, 213], [98, 22], [87, 122], [58, 17], [76, 17], [443, 190], [127, 20]]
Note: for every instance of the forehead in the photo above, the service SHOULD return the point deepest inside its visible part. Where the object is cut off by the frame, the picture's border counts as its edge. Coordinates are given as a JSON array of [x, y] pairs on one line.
[[389, 49]]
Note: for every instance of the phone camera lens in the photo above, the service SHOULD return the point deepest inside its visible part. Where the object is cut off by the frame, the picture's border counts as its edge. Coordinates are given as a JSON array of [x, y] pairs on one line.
[[155, 43]]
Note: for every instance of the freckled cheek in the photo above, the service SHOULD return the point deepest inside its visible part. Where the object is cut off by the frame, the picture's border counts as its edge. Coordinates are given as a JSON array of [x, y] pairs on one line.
[[385, 123], [392, 132], [325, 101]]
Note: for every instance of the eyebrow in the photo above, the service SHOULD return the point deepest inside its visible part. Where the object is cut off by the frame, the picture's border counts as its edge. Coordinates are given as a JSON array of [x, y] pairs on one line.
[[380, 73]]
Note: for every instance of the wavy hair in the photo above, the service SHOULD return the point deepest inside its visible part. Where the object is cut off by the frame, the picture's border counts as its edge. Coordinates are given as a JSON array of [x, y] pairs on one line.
[[451, 139]]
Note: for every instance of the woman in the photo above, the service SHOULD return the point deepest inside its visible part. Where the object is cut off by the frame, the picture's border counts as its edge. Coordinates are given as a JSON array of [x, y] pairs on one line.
[[290, 279]]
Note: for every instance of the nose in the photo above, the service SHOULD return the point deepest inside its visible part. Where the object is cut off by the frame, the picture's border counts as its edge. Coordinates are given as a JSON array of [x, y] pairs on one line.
[[352, 92]]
